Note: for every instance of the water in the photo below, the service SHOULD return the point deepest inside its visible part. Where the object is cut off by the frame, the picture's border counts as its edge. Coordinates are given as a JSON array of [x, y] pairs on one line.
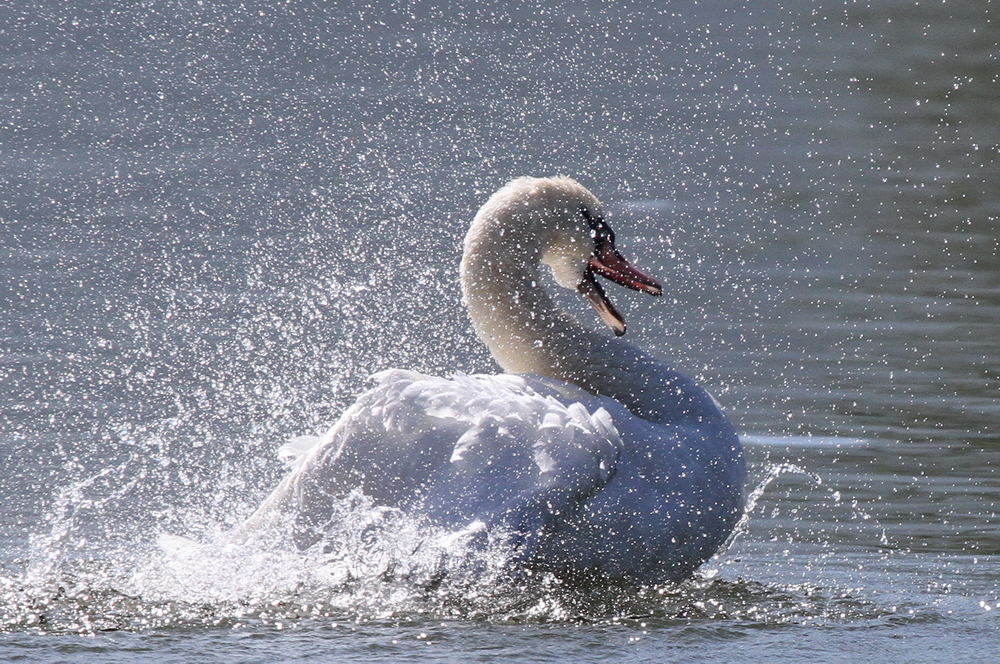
[[217, 219]]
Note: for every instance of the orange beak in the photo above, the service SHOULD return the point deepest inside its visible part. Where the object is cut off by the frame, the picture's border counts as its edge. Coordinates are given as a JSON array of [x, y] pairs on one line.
[[610, 264]]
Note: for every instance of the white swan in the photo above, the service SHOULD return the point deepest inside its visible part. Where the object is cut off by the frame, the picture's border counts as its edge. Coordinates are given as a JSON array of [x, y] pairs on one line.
[[589, 456]]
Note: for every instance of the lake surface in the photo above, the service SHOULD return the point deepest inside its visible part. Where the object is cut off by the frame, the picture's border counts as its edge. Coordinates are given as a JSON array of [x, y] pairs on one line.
[[216, 220]]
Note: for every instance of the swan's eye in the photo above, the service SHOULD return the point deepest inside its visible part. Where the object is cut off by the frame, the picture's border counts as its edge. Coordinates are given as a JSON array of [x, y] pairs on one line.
[[599, 229]]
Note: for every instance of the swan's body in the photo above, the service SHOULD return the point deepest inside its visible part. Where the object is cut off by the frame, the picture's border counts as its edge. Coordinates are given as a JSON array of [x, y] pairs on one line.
[[590, 456]]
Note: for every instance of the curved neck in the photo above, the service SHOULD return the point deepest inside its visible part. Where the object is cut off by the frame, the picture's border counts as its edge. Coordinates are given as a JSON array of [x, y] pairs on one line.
[[527, 332], [515, 317]]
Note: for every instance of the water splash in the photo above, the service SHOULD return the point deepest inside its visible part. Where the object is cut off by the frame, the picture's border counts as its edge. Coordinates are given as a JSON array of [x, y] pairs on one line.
[[95, 568], [381, 566], [379, 557], [774, 471], [52, 548]]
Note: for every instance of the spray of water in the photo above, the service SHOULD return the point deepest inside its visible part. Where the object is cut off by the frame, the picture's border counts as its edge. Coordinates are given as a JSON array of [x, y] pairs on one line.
[[774, 471], [379, 564]]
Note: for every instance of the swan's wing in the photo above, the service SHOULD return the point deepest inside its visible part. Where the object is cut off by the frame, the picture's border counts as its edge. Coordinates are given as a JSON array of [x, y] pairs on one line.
[[500, 449]]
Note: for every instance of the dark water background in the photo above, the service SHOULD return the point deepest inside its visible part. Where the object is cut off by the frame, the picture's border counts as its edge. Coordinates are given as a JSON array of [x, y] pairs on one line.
[[216, 219]]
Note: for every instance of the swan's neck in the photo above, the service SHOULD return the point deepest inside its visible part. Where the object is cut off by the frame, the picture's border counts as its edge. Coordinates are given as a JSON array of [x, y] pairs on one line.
[[517, 319], [528, 333]]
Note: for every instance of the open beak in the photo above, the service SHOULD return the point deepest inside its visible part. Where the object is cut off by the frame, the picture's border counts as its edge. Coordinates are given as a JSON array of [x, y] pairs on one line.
[[610, 264]]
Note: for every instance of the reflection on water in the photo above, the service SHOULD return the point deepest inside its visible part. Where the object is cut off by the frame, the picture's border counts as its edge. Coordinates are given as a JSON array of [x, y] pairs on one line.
[[217, 220]]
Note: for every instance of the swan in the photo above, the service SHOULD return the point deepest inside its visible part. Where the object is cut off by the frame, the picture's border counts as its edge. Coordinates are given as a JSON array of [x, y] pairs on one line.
[[589, 457]]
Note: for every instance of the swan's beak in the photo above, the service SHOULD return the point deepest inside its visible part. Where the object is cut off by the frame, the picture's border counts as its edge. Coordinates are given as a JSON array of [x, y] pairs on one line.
[[610, 264]]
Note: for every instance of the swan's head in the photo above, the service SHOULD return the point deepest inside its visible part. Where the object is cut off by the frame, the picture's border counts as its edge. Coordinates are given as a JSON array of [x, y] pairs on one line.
[[558, 222]]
